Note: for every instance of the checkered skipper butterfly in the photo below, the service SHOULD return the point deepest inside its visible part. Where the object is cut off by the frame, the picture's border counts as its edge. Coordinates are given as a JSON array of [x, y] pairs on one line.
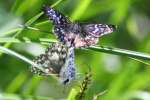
[[59, 60], [76, 34]]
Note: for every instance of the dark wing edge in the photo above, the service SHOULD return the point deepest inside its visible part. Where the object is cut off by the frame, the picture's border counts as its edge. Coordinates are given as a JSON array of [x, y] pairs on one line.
[[54, 15], [98, 30], [51, 60]]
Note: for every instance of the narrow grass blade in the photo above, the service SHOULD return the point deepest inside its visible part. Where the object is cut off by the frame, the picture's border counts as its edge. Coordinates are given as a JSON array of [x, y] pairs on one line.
[[121, 52], [10, 52], [80, 9]]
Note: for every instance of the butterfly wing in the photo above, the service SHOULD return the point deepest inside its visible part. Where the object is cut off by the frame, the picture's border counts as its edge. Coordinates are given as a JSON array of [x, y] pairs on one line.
[[85, 41], [97, 30], [76, 34], [52, 60], [68, 72], [55, 16], [57, 59], [60, 23], [90, 33]]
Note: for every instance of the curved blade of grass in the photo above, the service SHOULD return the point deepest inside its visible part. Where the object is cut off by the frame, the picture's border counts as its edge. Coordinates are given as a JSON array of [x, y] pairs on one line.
[[146, 63], [14, 6], [56, 3], [29, 22], [32, 85], [9, 39], [121, 52], [15, 84], [110, 50], [10, 32], [72, 94], [10, 52], [4, 96], [99, 7], [80, 9]]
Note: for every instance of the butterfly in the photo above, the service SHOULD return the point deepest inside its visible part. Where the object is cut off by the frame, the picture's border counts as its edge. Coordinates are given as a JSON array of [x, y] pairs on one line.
[[75, 34], [57, 60]]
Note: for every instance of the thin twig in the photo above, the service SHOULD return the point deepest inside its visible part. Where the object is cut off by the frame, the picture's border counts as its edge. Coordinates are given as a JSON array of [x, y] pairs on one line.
[[143, 62]]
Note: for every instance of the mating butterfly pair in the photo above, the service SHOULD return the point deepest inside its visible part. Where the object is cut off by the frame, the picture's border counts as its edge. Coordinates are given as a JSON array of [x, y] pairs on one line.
[[59, 59]]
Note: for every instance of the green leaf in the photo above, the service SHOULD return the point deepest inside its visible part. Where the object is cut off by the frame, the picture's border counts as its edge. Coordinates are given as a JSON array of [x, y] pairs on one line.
[[80, 9], [72, 94], [16, 83]]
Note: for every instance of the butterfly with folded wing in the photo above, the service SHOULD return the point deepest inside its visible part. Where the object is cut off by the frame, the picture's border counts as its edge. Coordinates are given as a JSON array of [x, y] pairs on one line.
[[57, 60]]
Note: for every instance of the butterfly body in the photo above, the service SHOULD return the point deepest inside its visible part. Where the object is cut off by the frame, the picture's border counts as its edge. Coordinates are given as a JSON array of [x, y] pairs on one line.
[[73, 35]]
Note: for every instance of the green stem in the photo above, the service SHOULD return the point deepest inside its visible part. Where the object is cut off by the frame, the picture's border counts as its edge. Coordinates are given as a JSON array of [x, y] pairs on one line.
[[10, 52], [105, 49], [80, 9], [121, 52], [29, 22], [56, 3]]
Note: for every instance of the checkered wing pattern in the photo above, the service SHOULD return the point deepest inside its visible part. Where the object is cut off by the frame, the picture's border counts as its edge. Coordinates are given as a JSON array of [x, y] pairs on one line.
[[76, 34], [52, 60], [98, 30], [60, 23], [55, 16], [56, 60], [89, 34]]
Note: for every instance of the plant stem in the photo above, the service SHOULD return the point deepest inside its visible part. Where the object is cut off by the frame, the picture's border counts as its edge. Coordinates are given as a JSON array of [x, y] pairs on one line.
[[121, 52], [105, 49], [10, 52], [30, 22]]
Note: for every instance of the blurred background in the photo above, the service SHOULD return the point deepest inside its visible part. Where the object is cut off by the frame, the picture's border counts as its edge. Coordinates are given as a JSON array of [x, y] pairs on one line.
[[122, 77]]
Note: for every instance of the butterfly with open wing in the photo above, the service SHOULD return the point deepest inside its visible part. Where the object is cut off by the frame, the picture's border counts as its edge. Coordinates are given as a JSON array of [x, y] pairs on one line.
[[76, 34], [57, 60]]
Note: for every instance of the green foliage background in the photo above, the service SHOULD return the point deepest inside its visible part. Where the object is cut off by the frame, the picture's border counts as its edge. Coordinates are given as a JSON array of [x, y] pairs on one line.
[[122, 77]]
